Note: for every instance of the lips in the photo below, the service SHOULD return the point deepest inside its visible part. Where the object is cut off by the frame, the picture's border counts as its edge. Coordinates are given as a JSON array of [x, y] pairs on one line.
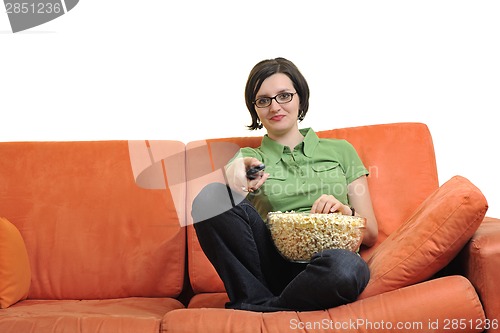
[[278, 117]]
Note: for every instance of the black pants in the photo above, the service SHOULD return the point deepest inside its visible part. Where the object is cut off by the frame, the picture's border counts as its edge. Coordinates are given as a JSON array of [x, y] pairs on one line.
[[256, 277]]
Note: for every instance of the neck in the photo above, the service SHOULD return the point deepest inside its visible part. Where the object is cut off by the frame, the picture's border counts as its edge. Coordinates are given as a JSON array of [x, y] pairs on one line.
[[291, 138]]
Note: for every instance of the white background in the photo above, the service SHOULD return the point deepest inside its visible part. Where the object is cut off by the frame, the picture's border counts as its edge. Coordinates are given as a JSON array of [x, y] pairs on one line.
[[154, 69]]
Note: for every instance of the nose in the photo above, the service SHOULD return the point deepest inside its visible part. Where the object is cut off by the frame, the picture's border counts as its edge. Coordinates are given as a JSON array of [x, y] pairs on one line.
[[275, 106]]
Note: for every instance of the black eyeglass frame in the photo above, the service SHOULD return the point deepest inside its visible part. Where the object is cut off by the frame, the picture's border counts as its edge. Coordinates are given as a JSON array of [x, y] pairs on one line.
[[271, 99]]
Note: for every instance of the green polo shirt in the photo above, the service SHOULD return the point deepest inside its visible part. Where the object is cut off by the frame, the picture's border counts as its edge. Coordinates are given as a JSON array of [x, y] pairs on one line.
[[300, 176]]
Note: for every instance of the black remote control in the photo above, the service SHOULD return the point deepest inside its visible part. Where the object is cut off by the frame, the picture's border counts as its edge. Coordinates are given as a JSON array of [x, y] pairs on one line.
[[252, 172]]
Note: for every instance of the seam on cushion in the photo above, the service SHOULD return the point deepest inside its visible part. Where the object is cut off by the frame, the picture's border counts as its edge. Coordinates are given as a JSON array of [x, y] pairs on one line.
[[478, 267], [395, 266], [465, 200], [185, 263], [431, 152], [195, 268], [182, 252], [264, 327], [194, 276], [467, 229], [418, 248]]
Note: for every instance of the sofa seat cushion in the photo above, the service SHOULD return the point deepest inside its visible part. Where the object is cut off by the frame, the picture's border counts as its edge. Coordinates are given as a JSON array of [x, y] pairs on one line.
[[208, 300], [127, 315], [429, 239], [401, 310], [15, 271]]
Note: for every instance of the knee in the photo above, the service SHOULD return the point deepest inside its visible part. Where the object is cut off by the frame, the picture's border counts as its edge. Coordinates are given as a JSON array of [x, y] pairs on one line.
[[208, 195], [211, 201], [349, 272], [214, 199]]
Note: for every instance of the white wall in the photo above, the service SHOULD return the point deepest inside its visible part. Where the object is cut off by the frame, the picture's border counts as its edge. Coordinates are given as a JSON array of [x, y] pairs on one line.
[[154, 69]]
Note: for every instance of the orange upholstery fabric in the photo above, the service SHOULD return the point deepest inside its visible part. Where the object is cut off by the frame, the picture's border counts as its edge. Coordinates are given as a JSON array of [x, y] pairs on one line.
[[400, 158], [209, 300], [104, 231], [481, 261], [204, 162], [90, 231], [402, 165], [408, 309], [429, 239], [15, 272], [129, 315]]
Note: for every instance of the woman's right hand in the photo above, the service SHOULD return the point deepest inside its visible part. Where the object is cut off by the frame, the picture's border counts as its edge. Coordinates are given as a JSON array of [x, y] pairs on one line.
[[237, 177]]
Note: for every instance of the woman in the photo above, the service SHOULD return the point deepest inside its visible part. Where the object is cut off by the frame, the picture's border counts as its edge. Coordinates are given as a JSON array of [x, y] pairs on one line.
[[303, 173]]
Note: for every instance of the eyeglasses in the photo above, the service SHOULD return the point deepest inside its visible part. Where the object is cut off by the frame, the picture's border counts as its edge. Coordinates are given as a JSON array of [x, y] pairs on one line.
[[281, 98]]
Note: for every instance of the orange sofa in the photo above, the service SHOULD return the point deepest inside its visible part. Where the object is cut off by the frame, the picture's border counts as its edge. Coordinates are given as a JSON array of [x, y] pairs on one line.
[[97, 237]]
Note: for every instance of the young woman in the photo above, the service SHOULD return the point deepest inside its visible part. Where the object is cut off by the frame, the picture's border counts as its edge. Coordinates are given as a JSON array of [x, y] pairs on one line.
[[302, 173]]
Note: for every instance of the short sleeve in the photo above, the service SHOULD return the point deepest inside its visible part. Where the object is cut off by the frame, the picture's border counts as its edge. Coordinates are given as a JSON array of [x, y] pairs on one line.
[[353, 166]]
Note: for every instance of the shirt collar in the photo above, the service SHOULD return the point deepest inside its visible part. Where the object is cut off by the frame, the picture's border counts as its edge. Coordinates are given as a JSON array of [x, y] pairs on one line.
[[311, 141], [274, 150]]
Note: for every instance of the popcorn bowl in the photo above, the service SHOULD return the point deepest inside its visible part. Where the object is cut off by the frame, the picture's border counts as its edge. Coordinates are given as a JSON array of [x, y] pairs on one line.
[[297, 236]]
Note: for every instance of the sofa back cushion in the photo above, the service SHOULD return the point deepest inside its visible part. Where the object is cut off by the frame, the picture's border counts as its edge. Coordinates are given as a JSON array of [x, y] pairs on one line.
[[403, 173], [90, 231], [429, 239], [204, 163], [402, 164]]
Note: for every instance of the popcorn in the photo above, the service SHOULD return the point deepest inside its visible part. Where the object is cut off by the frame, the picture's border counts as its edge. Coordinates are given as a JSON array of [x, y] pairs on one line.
[[298, 236]]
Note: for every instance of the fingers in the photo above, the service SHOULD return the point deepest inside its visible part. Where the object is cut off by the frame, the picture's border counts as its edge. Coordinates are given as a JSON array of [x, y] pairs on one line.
[[235, 175], [334, 208], [320, 204], [326, 204], [243, 181], [255, 171], [251, 162], [254, 174], [255, 184]]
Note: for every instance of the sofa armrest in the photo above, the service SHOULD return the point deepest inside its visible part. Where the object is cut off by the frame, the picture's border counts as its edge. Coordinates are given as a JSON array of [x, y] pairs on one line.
[[481, 265]]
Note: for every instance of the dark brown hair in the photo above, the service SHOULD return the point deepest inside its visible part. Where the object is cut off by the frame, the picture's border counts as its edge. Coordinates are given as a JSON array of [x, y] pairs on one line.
[[265, 69]]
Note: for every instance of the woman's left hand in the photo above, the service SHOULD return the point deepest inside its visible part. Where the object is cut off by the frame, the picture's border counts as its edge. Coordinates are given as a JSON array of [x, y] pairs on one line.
[[327, 203]]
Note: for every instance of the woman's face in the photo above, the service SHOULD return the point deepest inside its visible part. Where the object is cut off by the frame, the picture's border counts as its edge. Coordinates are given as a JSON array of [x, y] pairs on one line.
[[278, 119]]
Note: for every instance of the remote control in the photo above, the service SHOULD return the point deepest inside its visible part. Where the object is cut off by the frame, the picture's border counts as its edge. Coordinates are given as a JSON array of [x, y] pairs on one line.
[[252, 172]]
